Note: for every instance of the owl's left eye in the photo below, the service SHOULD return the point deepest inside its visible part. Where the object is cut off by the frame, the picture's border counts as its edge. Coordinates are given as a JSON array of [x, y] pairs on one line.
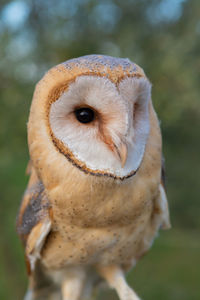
[[84, 114]]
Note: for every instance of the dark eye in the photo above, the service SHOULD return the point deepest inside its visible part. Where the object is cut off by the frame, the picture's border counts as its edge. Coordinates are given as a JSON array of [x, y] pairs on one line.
[[84, 114]]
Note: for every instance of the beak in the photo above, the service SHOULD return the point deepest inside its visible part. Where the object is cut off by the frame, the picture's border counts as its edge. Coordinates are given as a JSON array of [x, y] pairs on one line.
[[122, 153], [120, 150]]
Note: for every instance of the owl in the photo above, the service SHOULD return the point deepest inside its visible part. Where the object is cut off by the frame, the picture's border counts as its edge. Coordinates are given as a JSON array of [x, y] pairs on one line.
[[95, 198]]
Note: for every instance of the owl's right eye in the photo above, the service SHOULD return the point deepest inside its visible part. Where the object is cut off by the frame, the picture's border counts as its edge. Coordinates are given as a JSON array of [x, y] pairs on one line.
[[84, 115]]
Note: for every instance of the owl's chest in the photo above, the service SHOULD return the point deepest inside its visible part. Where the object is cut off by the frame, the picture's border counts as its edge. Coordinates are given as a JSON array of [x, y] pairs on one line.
[[101, 205], [104, 226], [74, 245]]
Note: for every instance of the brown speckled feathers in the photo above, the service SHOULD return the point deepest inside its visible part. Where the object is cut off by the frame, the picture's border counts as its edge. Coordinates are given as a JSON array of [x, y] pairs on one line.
[[95, 198]]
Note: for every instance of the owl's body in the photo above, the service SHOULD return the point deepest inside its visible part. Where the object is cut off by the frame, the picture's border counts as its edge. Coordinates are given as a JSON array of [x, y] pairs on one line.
[[95, 198]]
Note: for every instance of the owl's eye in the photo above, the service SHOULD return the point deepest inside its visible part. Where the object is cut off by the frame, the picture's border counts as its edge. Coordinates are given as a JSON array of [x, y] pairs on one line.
[[84, 114]]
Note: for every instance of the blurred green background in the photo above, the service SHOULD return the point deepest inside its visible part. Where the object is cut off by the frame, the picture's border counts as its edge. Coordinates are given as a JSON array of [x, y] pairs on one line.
[[162, 36]]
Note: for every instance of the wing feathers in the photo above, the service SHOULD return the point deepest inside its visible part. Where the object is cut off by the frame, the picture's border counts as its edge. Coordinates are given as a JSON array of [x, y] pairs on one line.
[[162, 204], [36, 240], [160, 216], [34, 218]]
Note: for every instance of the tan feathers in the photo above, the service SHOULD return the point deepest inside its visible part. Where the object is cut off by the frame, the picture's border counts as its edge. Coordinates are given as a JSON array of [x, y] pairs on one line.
[[102, 201]]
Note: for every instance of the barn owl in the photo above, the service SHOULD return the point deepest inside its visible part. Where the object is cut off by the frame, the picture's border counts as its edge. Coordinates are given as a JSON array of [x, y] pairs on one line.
[[95, 199]]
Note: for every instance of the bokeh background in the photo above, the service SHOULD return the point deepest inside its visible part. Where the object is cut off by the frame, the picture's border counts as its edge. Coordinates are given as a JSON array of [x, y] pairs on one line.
[[163, 36]]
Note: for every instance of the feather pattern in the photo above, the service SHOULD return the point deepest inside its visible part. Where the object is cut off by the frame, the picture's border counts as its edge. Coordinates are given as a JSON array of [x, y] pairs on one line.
[[95, 199]]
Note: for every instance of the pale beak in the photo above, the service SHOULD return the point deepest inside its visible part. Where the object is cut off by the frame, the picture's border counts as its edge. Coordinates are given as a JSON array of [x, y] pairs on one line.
[[122, 153]]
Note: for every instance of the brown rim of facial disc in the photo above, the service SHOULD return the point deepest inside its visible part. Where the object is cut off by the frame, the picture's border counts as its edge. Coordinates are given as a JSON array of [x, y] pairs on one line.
[[54, 95]]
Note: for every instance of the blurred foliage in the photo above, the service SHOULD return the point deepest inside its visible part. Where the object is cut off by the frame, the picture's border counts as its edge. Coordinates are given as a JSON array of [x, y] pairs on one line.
[[162, 36]]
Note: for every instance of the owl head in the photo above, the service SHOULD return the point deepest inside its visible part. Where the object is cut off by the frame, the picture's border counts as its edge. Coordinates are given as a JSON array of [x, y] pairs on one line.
[[92, 111]]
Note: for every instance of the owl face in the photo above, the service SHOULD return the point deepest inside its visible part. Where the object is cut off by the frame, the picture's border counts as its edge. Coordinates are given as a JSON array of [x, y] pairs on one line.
[[99, 116], [104, 126]]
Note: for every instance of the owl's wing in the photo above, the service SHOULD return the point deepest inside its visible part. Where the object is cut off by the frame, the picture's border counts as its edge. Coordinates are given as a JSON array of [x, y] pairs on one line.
[[161, 211], [162, 208], [34, 218]]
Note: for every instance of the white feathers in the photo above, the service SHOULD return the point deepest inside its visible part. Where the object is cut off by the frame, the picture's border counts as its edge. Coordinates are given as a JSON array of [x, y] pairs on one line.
[[138, 92], [116, 106]]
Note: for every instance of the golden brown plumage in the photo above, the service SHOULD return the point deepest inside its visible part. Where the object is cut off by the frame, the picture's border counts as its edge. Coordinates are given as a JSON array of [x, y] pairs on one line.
[[77, 221]]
